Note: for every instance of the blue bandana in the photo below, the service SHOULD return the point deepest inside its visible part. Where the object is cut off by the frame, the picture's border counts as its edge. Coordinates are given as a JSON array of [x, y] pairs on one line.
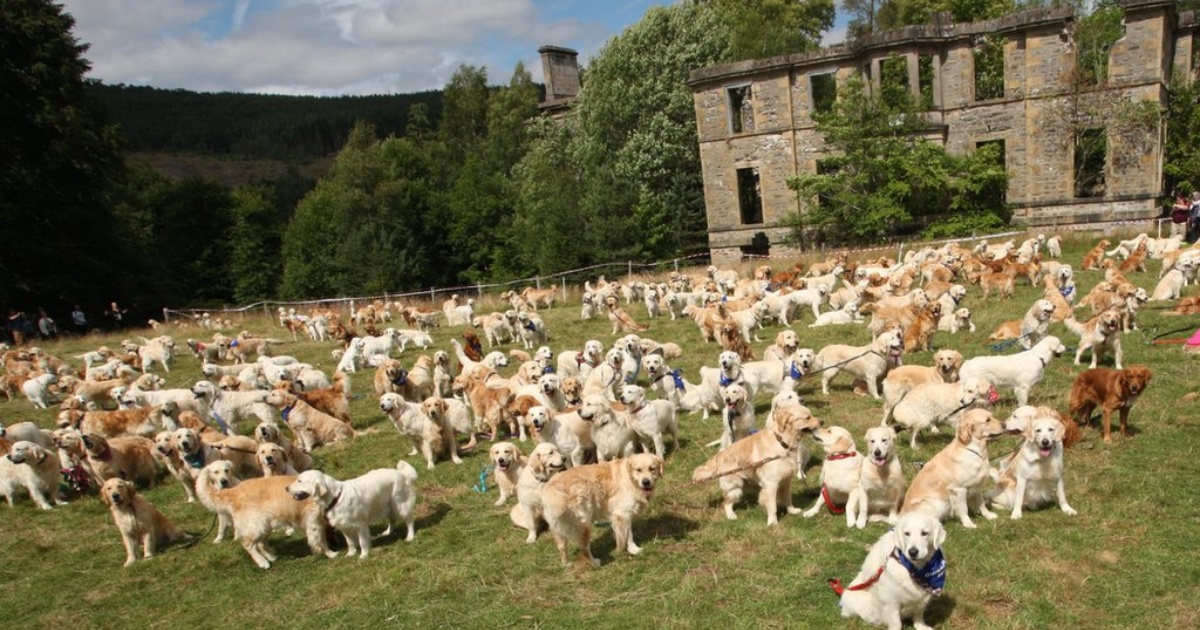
[[401, 379], [548, 370], [530, 327], [724, 380], [932, 577], [795, 372], [677, 376], [233, 344], [285, 411], [195, 460]]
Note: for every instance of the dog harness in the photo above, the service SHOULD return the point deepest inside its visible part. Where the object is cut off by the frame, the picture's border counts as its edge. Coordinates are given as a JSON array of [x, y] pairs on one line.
[[931, 577]]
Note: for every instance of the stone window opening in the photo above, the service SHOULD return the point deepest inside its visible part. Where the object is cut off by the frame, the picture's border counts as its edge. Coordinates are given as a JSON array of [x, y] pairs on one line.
[[1091, 158], [1001, 159], [989, 68], [925, 81], [741, 109], [824, 92], [750, 196]]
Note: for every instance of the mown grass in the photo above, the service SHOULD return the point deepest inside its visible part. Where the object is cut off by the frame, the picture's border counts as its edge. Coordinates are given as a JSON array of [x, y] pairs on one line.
[[1127, 560]]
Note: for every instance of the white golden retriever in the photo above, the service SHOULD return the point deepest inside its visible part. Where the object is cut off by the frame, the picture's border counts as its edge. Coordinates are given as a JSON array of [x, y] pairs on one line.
[[544, 462], [383, 494], [903, 571], [1033, 475], [1019, 371], [931, 404], [650, 419]]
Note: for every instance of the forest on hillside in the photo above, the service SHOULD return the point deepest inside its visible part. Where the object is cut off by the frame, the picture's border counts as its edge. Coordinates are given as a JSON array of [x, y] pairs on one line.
[[264, 126]]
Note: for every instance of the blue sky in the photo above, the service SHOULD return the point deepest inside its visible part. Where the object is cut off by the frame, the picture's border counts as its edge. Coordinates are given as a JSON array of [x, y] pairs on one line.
[[333, 47]]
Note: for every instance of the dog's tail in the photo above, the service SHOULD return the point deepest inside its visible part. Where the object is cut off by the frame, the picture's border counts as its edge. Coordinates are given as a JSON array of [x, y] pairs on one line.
[[342, 381], [1073, 325], [705, 470], [407, 471]]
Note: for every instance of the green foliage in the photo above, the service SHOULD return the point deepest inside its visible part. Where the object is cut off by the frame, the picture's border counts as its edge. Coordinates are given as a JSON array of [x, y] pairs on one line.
[[253, 237], [897, 13], [766, 28], [1181, 158], [253, 125], [1095, 33], [883, 180], [989, 68]]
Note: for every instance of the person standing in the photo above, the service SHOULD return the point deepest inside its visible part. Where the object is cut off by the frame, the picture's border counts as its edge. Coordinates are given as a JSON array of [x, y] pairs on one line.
[[79, 321], [46, 326], [1179, 215], [17, 326], [116, 316], [1194, 218]]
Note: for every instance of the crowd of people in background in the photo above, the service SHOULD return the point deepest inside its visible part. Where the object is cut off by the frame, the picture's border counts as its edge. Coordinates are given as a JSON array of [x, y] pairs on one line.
[[20, 328], [1185, 217]]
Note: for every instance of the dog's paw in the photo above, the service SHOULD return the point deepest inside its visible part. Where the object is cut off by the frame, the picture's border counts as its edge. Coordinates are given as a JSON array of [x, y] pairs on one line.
[[1069, 511]]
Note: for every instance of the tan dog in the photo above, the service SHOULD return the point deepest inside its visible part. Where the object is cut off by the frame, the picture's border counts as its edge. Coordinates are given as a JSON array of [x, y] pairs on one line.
[[841, 489], [269, 432], [1029, 329], [255, 507], [951, 483], [40, 470], [621, 320], [615, 491], [931, 404], [901, 380], [786, 343], [767, 459], [127, 457], [1100, 334], [196, 453], [311, 427], [487, 403], [137, 520], [543, 463], [870, 363], [1091, 260], [143, 421], [507, 463], [1033, 475], [273, 460], [881, 479], [168, 456]]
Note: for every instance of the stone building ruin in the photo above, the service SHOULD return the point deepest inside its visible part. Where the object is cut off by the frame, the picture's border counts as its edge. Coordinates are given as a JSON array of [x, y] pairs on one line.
[[756, 130]]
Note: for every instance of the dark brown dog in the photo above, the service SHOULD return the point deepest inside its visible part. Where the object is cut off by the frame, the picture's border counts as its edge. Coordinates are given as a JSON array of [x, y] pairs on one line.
[[1111, 390]]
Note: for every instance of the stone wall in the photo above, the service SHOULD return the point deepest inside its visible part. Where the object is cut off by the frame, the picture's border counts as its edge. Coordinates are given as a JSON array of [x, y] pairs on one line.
[[1033, 117]]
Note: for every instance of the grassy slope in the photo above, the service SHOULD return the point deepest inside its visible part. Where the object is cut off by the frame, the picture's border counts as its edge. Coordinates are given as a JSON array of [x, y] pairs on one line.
[[1127, 560]]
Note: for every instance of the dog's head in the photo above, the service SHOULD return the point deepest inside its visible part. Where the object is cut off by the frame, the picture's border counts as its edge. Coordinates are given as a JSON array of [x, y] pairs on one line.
[[1135, 379], [435, 408], [644, 470], [279, 398], [890, 343], [793, 420], [615, 357], [652, 363], [785, 398], [948, 362], [632, 395], [391, 401], [804, 358], [834, 440], [733, 395], [1045, 432], [881, 445], [572, 389], [974, 390], [545, 461], [27, 452], [442, 358], [549, 384], [504, 455], [117, 493], [267, 432], [206, 391], [162, 443], [919, 535], [728, 360], [272, 457], [185, 441], [978, 425], [1042, 310], [219, 474], [68, 439], [544, 355], [594, 407], [593, 350], [1110, 322], [539, 415], [1021, 419], [312, 484]]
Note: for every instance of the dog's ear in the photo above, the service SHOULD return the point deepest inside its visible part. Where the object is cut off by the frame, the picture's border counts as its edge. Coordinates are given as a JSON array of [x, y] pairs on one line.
[[939, 534], [662, 465], [965, 431], [535, 464]]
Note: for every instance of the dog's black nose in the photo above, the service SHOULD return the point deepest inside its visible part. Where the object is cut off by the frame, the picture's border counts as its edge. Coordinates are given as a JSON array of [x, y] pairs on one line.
[[914, 553], [646, 483]]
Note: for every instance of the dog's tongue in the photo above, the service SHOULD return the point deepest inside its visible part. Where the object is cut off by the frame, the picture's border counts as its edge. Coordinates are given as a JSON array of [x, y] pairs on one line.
[[880, 461], [648, 492], [1044, 452]]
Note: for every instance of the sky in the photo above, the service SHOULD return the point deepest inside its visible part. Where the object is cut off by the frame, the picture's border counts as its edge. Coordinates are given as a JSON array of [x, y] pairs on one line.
[[335, 47]]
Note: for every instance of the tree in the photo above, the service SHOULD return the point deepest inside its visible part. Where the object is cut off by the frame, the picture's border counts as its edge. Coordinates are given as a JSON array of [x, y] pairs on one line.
[[883, 179], [897, 13], [59, 160], [766, 28], [255, 242]]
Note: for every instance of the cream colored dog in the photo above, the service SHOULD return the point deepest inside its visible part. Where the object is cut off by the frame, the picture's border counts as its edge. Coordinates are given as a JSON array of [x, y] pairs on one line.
[[932, 403], [615, 491], [870, 363], [544, 462], [351, 506], [882, 478], [841, 490], [507, 463], [40, 471], [901, 380], [137, 520], [737, 415], [273, 460], [774, 452], [1033, 475], [311, 426], [951, 483], [1100, 334], [650, 419], [902, 572], [269, 432], [1019, 371]]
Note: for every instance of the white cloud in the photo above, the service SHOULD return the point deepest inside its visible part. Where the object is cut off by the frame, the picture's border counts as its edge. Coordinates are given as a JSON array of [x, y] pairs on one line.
[[311, 46]]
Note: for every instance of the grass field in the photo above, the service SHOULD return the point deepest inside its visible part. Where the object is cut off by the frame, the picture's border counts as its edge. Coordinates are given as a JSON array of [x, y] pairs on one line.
[[1127, 560]]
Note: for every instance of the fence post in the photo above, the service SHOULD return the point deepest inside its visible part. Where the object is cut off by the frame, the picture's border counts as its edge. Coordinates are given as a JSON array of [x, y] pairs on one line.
[[676, 261], [538, 283], [432, 296], [630, 264], [478, 290], [564, 288], [900, 253], [166, 316]]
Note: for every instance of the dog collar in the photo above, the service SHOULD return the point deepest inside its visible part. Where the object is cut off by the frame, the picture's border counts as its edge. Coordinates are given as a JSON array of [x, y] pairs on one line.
[[931, 577], [286, 411], [782, 442], [580, 360], [794, 372], [725, 381], [332, 503], [195, 460], [401, 379], [837, 456]]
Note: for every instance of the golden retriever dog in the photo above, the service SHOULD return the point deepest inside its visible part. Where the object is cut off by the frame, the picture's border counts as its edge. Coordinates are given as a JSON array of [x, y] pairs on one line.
[[311, 427], [903, 570], [196, 453], [455, 419], [1100, 334], [621, 320], [269, 432], [918, 334], [1000, 282], [168, 456], [951, 483], [487, 403], [1020, 371], [1111, 390], [143, 421], [1136, 260], [931, 404], [128, 457], [737, 415], [273, 460], [650, 419], [766, 459], [881, 478], [870, 363], [841, 490], [331, 400], [708, 318], [1030, 329], [544, 462], [1091, 260], [39, 470], [351, 506], [616, 491], [507, 464], [138, 520], [1033, 475], [902, 379], [257, 507], [433, 440], [786, 343]]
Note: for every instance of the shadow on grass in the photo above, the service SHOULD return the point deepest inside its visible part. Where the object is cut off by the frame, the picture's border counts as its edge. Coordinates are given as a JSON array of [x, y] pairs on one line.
[[939, 610], [669, 526]]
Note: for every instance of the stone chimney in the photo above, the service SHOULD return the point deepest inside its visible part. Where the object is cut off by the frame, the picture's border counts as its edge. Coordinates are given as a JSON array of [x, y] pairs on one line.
[[560, 67]]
